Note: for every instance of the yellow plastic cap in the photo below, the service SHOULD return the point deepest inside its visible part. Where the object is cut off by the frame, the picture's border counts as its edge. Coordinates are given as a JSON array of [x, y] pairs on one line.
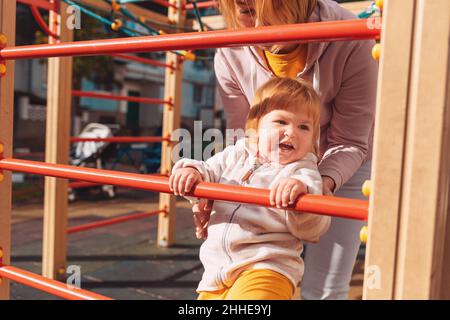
[[189, 56], [379, 4], [366, 188], [116, 25], [364, 234], [376, 52], [2, 69], [3, 39]]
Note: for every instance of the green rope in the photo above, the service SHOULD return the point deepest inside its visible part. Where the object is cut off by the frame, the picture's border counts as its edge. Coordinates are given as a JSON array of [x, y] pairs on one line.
[[198, 16]]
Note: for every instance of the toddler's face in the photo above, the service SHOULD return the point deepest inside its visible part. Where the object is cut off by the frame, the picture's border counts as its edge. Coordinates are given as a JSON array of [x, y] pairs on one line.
[[284, 136]]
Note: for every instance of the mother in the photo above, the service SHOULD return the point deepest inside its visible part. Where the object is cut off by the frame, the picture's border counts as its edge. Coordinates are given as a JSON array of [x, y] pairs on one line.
[[345, 76]]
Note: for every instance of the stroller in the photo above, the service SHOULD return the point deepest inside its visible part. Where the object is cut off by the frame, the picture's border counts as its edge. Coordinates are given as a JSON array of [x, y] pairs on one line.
[[92, 154]]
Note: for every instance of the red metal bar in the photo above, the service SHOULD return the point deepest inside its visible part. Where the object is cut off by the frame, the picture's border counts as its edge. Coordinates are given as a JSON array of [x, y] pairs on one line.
[[47, 285], [43, 4], [202, 5], [333, 206], [359, 29], [105, 96], [107, 222], [120, 139], [40, 21], [144, 61], [82, 184]]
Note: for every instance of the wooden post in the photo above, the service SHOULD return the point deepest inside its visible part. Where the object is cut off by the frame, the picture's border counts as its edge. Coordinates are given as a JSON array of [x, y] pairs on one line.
[[8, 29], [411, 167], [426, 169], [57, 151], [392, 99], [171, 121]]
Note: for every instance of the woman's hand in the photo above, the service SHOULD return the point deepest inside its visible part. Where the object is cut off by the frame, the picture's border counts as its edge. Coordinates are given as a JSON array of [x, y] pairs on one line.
[[201, 214], [286, 191], [328, 186], [182, 180]]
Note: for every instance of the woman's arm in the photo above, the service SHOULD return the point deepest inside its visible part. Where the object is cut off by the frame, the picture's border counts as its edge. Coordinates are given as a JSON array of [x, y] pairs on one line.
[[235, 103], [353, 116]]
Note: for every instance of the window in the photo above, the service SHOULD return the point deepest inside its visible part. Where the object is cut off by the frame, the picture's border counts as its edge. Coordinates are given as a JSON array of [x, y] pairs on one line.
[[198, 93]]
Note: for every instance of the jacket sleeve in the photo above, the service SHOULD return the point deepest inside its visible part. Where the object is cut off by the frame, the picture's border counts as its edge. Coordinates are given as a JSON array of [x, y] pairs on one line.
[[353, 116], [308, 226], [235, 103]]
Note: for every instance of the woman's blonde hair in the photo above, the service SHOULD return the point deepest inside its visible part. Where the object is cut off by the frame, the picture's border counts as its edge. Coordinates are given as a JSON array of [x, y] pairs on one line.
[[270, 12], [285, 94]]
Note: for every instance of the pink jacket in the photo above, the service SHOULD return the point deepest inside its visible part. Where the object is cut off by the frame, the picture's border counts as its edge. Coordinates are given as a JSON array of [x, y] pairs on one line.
[[344, 74], [242, 236]]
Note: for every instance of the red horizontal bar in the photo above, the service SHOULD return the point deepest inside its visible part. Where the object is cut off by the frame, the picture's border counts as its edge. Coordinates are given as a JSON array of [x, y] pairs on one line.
[[333, 206], [202, 5], [120, 139], [48, 285], [107, 222], [105, 96], [82, 184], [345, 30], [143, 60], [42, 4]]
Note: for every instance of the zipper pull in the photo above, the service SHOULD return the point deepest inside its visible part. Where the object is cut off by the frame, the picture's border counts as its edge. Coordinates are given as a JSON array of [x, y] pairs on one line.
[[250, 172]]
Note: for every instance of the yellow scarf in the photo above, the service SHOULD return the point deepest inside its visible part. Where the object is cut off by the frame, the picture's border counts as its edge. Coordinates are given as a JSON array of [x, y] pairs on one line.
[[287, 65]]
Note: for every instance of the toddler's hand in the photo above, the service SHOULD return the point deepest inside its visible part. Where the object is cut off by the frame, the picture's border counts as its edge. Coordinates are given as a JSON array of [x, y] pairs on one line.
[[285, 192], [182, 180]]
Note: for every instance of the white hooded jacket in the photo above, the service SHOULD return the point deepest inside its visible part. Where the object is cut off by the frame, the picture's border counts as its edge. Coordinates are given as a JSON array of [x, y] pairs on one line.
[[242, 236]]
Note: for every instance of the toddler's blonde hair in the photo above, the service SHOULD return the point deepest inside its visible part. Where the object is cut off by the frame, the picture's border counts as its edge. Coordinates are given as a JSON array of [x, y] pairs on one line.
[[285, 94]]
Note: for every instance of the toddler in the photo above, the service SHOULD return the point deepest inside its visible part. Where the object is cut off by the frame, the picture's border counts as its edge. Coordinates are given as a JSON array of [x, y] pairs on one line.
[[253, 252]]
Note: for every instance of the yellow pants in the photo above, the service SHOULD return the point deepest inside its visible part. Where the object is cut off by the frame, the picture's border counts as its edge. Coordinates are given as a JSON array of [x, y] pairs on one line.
[[260, 284]]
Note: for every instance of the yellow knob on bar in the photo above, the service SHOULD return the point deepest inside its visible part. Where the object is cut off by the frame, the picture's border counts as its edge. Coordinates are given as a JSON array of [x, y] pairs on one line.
[[364, 234], [189, 56], [115, 6], [366, 188], [116, 25], [379, 4], [3, 40], [376, 52], [2, 69], [2, 148]]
